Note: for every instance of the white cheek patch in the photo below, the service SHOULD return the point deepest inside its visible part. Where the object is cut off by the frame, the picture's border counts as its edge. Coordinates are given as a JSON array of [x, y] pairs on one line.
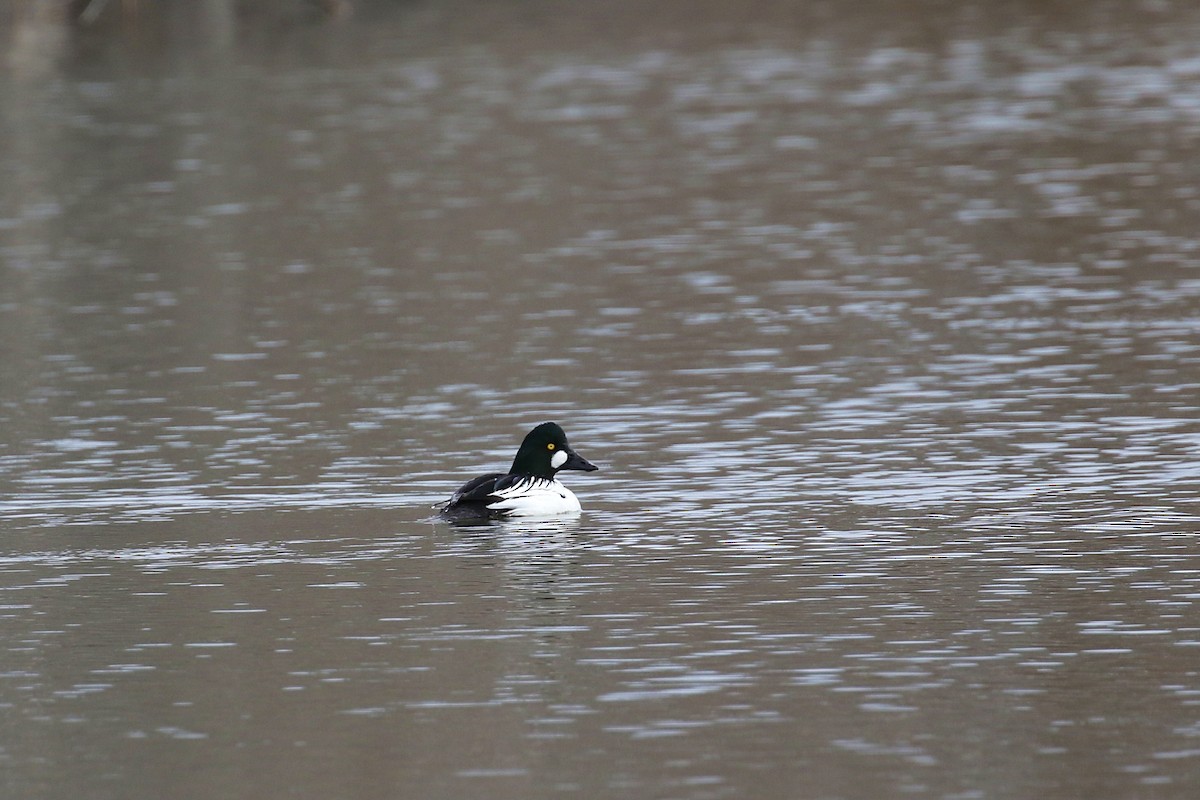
[[558, 459]]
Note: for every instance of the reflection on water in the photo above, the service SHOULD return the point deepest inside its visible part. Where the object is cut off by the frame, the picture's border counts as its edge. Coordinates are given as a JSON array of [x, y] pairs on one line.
[[884, 325]]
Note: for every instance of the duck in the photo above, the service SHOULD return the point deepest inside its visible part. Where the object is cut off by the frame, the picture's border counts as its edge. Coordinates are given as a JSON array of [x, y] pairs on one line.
[[530, 488]]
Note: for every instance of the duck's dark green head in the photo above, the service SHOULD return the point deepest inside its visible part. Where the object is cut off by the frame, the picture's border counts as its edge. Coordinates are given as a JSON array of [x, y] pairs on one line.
[[545, 451]]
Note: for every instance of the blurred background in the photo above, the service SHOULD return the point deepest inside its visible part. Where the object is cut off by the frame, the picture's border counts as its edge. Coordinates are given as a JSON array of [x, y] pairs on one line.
[[882, 320]]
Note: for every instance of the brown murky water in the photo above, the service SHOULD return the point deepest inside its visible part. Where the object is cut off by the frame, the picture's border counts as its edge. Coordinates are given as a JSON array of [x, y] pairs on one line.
[[881, 319]]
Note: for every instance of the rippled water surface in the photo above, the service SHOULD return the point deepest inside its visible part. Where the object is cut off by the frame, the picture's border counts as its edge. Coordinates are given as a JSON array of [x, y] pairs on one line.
[[882, 321]]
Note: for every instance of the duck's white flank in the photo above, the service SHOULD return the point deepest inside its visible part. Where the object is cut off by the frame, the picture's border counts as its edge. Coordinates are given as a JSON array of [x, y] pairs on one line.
[[536, 497]]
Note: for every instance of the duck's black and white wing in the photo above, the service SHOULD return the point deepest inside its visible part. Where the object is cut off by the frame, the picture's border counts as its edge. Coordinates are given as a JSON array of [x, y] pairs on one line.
[[499, 495], [527, 496]]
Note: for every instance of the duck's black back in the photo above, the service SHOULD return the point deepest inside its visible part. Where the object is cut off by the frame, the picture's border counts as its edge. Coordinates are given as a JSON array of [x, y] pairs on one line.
[[474, 493]]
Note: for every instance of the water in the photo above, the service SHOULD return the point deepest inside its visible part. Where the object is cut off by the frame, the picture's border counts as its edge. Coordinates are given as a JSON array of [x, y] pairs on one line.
[[882, 324]]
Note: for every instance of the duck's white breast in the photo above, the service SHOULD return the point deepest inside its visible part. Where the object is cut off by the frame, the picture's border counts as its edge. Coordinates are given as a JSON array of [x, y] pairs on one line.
[[537, 498]]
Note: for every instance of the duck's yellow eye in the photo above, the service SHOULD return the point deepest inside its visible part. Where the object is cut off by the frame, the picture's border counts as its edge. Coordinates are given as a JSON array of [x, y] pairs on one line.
[[550, 446]]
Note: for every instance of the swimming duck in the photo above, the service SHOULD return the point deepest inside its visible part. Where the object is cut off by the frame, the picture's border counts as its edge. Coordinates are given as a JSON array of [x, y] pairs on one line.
[[530, 488]]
